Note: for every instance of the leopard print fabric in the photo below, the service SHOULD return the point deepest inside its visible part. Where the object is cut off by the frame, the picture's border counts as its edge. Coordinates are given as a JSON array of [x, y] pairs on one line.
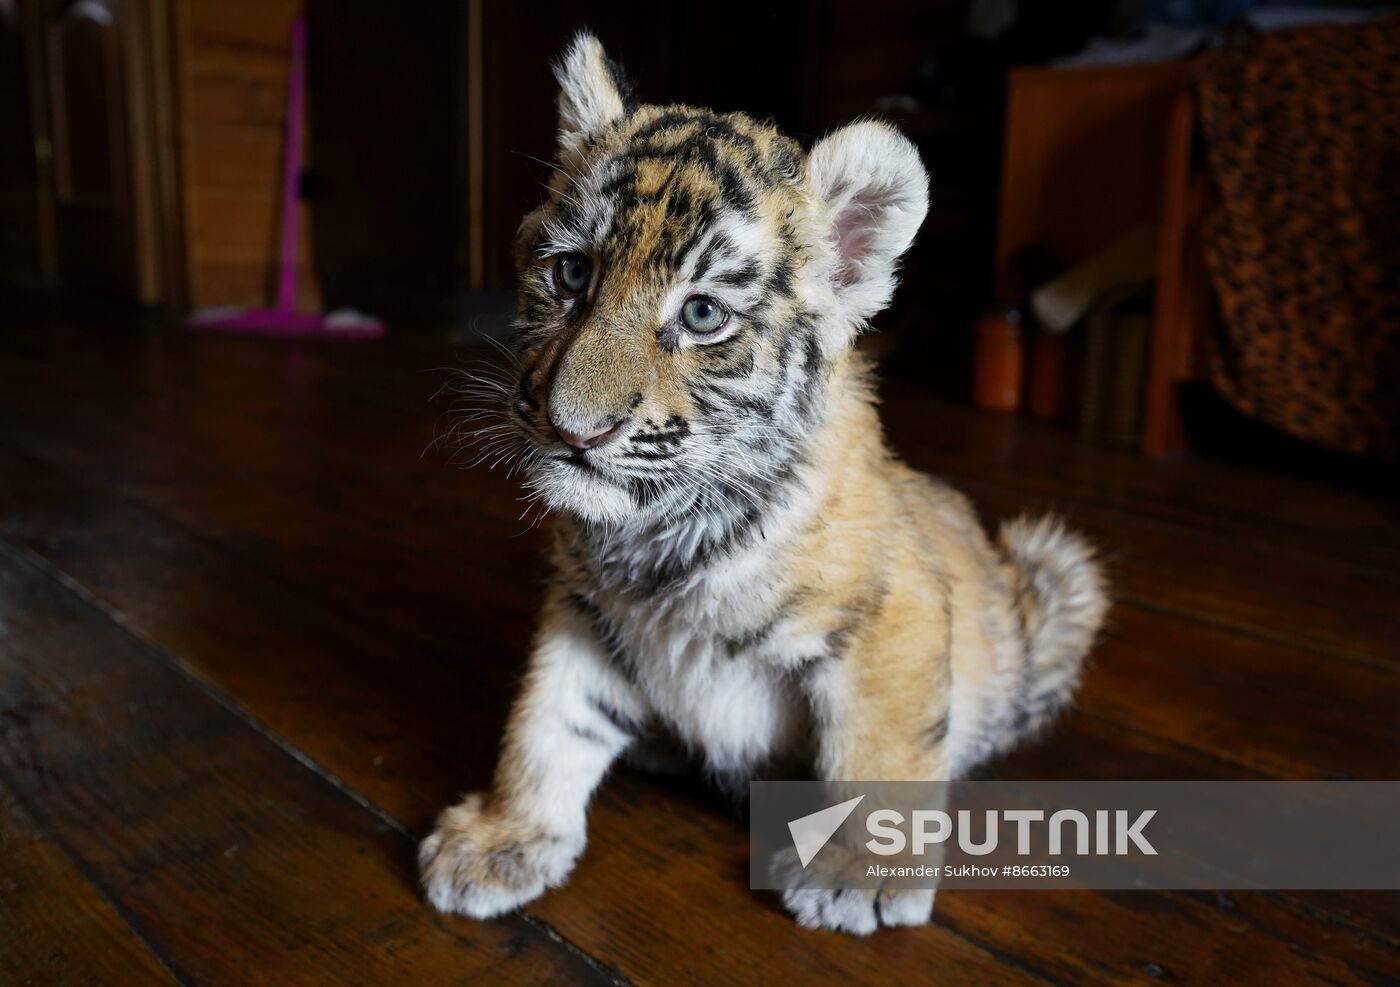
[[1302, 131]]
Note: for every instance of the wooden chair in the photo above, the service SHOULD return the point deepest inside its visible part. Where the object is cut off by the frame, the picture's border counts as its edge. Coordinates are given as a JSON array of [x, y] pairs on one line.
[[1090, 153]]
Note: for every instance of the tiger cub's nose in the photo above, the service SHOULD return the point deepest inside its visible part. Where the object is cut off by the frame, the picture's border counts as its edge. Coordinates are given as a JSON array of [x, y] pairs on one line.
[[589, 440]]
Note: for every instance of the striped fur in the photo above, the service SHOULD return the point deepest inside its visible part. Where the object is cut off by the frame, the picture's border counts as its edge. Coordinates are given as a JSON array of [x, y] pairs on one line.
[[744, 566]]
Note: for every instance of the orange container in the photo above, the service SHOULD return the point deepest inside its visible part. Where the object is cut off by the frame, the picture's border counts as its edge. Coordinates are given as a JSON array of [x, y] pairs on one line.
[[998, 362], [1052, 375]]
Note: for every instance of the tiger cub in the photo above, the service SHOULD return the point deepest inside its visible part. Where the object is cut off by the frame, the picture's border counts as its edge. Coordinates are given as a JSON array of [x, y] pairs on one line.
[[738, 556]]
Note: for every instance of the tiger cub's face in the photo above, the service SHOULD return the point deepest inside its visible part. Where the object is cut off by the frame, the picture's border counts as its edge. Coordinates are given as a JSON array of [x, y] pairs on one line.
[[685, 292]]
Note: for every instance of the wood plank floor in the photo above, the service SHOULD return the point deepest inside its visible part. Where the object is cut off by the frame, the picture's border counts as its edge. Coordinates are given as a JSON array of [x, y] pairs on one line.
[[253, 636]]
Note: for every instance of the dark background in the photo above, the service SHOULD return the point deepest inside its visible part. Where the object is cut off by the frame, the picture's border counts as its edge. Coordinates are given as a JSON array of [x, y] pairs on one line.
[[141, 149]]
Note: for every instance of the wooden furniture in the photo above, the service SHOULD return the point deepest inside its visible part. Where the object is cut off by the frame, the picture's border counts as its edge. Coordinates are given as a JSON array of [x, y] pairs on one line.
[[1089, 154], [1184, 309]]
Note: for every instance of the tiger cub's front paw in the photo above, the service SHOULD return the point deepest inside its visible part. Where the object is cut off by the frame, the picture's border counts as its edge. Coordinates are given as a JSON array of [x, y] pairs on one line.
[[483, 863], [858, 911]]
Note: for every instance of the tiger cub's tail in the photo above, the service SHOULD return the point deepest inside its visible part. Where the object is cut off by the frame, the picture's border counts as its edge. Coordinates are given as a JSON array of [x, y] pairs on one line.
[[1061, 598]]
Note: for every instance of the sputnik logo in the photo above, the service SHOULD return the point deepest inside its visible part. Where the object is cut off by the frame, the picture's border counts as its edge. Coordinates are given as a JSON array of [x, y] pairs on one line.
[[811, 833]]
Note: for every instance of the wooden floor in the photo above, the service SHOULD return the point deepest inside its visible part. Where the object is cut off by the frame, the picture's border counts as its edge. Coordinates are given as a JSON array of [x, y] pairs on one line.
[[252, 637]]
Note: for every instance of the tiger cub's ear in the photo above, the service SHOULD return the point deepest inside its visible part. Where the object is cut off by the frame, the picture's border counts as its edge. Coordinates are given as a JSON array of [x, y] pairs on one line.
[[593, 92], [874, 190]]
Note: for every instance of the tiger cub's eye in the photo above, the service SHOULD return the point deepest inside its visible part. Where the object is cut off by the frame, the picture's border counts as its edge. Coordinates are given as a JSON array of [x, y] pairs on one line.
[[571, 274], [703, 316]]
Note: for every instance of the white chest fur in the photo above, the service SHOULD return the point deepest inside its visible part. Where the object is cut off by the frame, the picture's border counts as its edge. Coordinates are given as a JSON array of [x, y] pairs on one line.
[[731, 707], [713, 656]]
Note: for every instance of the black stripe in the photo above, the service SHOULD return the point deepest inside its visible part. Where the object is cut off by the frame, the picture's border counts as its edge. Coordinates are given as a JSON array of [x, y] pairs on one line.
[[673, 253], [737, 190], [855, 615], [751, 638], [799, 667], [937, 732], [622, 722], [622, 84], [590, 735], [741, 278], [756, 636], [621, 185], [674, 435], [720, 244], [647, 454], [711, 130], [608, 636], [679, 204], [646, 491], [741, 370], [667, 121], [780, 280], [748, 512], [708, 399], [808, 386], [786, 163]]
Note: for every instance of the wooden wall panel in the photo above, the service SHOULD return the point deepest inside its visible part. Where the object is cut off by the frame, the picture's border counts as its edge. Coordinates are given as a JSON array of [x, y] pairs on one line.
[[232, 58]]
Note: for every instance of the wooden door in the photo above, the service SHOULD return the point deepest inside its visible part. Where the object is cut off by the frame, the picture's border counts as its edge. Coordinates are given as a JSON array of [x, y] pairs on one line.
[[105, 67]]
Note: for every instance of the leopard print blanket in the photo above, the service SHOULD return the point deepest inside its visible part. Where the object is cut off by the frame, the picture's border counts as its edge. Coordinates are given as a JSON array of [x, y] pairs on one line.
[[1302, 133]]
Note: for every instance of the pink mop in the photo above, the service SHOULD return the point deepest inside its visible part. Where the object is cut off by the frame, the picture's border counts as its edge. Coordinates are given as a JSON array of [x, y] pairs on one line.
[[284, 319]]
